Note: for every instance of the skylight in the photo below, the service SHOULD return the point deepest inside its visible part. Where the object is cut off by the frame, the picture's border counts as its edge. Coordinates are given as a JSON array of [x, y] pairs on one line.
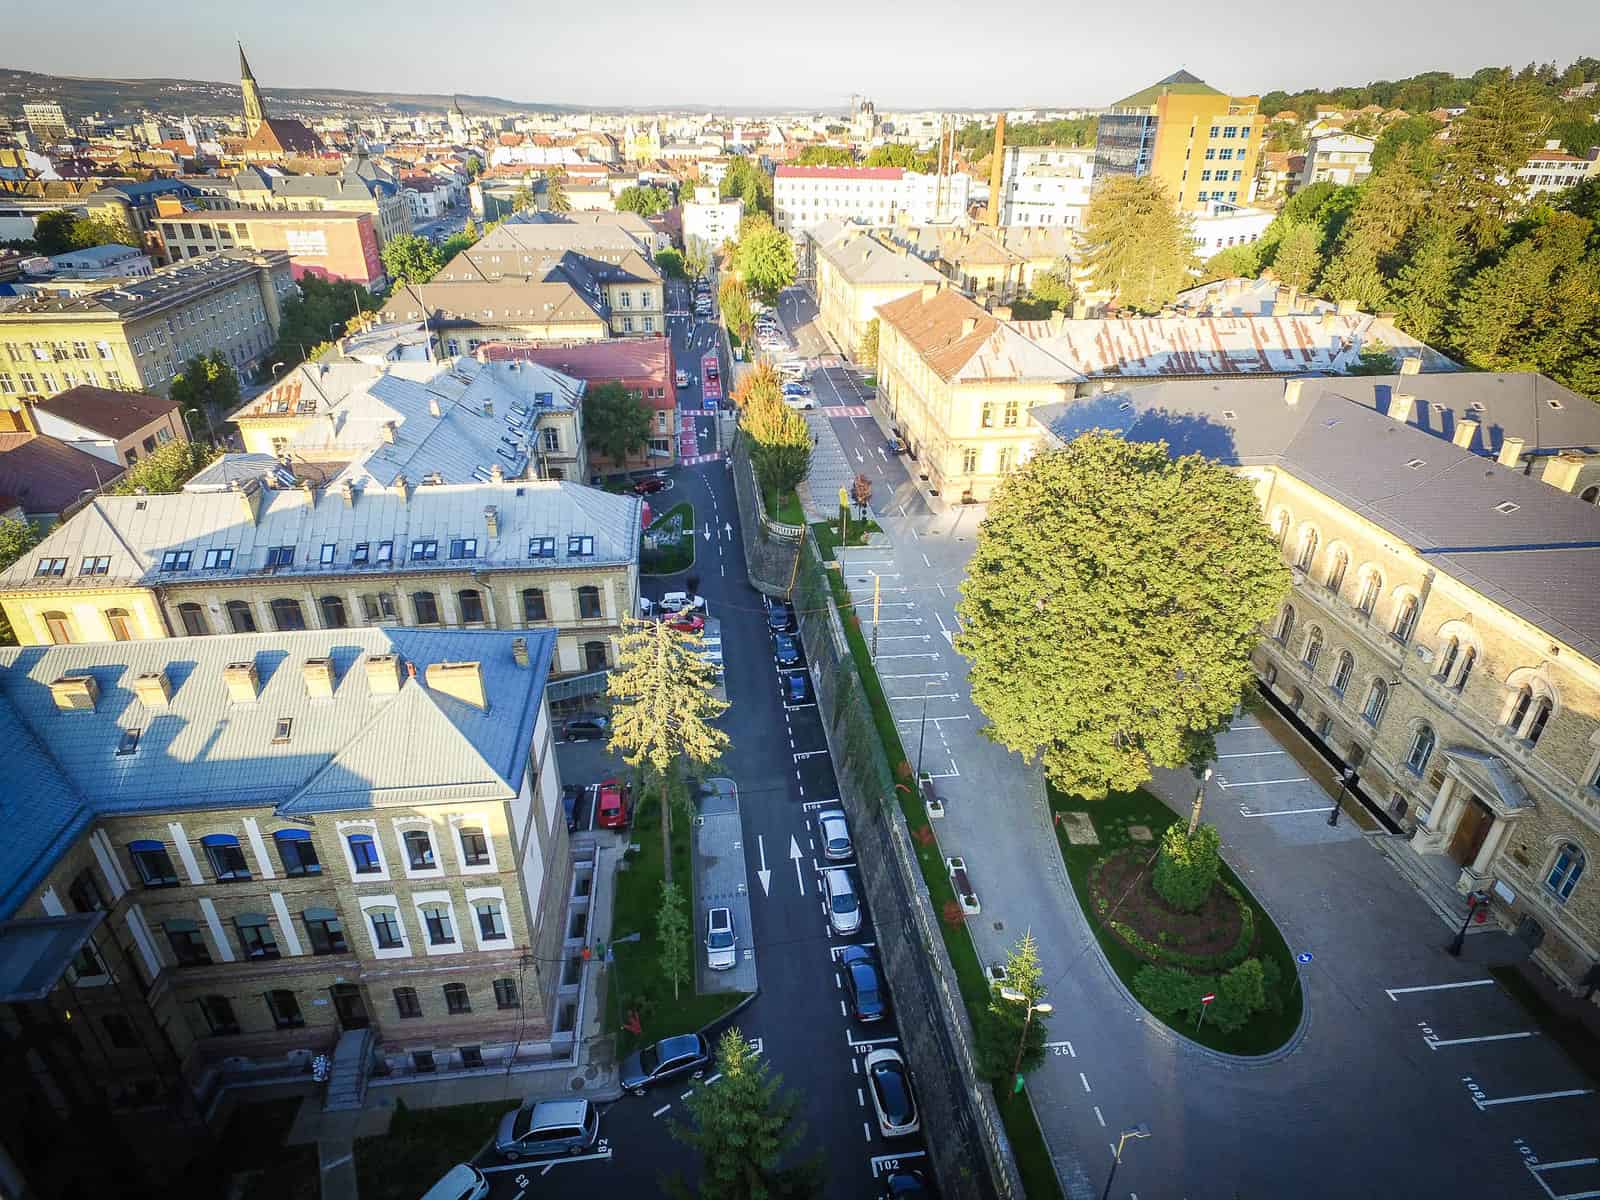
[[1507, 506]]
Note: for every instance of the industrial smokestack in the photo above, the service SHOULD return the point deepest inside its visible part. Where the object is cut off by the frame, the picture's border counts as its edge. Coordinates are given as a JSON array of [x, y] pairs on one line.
[[997, 169]]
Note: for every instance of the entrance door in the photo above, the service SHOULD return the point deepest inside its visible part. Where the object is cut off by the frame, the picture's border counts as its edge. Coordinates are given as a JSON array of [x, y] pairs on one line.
[[352, 1009], [1470, 832]]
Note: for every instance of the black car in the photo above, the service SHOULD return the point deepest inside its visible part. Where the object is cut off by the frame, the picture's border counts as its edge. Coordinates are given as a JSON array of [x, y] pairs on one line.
[[570, 796], [786, 648], [780, 617], [667, 1059], [864, 983], [900, 1185], [586, 727]]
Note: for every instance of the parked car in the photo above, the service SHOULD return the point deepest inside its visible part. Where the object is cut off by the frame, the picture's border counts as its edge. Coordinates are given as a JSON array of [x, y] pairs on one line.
[[796, 388], [681, 378], [678, 601], [792, 368], [844, 909], [713, 372], [835, 835], [570, 795], [669, 1058], [687, 623], [905, 1185], [461, 1182], [892, 1099], [586, 727], [546, 1128], [864, 982], [786, 649], [799, 403], [611, 805], [780, 617], [722, 947], [797, 687], [649, 485]]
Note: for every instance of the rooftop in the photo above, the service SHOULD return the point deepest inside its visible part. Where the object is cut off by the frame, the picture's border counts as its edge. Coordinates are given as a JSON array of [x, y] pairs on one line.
[[840, 172], [594, 362], [962, 343], [308, 215], [46, 475], [132, 298], [507, 301], [863, 259], [102, 410], [1178, 83]]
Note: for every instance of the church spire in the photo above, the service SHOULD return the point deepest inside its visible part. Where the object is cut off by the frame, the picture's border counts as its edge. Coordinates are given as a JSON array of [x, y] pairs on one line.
[[255, 109]]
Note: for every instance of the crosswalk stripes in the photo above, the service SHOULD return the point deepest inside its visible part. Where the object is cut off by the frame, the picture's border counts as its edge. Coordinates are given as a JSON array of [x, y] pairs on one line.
[[694, 460], [845, 410]]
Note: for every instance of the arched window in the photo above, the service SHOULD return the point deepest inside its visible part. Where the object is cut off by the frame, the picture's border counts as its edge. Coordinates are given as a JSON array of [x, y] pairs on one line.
[[60, 627], [1280, 527], [1520, 709], [1377, 701], [1422, 743], [1342, 671], [118, 621], [1297, 699], [193, 618], [1468, 657], [594, 656], [1565, 871], [241, 616], [533, 608], [1541, 718], [364, 854], [1405, 618], [425, 608], [332, 611], [378, 606], [419, 849], [286, 615], [470, 602], [1371, 585], [1341, 564], [1308, 550], [1285, 624], [589, 601], [1447, 659], [1313, 650], [297, 853]]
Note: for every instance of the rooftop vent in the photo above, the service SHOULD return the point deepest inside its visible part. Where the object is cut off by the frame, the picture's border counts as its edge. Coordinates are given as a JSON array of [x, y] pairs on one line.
[[1229, 415], [318, 674], [242, 682], [1507, 506], [154, 690], [75, 693], [383, 674], [1416, 464], [519, 651]]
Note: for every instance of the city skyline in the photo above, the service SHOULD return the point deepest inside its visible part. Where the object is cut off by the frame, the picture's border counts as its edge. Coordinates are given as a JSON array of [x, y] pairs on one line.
[[825, 68]]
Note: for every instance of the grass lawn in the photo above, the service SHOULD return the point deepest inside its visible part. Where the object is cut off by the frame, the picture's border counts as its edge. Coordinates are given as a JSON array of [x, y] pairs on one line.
[[1113, 817], [421, 1145], [669, 560], [252, 1142], [784, 509], [637, 983]]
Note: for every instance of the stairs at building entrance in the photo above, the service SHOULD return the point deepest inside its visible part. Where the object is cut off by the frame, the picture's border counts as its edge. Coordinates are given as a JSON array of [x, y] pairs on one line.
[[1432, 875], [347, 1082]]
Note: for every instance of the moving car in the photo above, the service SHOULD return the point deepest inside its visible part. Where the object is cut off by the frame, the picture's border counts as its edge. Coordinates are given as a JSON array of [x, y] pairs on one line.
[[835, 835], [795, 388], [844, 909], [586, 727], [797, 687], [649, 485], [461, 1182], [780, 617], [667, 1059], [687, 623], [799, 403], [786, 649], [545, 1128], [712, 370], [890, 1085], [611, 805], [678, 601], [722, 947], [864, 983], [682, 378]]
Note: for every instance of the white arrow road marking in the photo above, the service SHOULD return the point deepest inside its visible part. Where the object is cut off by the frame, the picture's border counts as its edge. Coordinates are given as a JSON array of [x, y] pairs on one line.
[[727, 528], [943, 629], [763, 874], [795, 856], [708, 531]]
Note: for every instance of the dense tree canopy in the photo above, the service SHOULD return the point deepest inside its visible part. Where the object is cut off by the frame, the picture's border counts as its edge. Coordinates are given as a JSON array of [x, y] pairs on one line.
[[1071, 131], [1111, 606], [207, 387], [900, 154], [748, 182], [644, 200], [17, 537], [825, 156], [764, 257], [411, 258], [165, 469], [616, 422], [780, 442], [1139, 246]]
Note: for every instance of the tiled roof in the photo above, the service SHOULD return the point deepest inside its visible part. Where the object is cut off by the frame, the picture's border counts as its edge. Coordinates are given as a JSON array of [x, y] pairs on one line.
[[284, 135], [133, 297], [962, 343], [46, 475], [500, 302], [104, 410], [203, 751], [862, 259]]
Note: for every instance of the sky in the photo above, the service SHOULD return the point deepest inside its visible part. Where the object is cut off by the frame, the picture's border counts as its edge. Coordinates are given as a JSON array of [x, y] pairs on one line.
[[728, 53]]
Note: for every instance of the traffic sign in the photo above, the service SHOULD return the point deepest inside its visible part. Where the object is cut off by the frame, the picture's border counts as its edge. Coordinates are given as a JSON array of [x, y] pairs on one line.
[[1303, 957], [1208, 998]]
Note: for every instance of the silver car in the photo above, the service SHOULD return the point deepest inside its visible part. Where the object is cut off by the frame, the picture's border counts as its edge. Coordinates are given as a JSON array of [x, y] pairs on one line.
[[844, 909], [545, 1128], [836, 844], [722, 947]]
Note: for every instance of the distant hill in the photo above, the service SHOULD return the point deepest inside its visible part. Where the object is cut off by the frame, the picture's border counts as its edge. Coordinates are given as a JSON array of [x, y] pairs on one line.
[[206, 98]]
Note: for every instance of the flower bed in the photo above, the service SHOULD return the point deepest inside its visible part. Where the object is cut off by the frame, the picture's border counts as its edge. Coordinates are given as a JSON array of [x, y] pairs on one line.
[[1218, 935]]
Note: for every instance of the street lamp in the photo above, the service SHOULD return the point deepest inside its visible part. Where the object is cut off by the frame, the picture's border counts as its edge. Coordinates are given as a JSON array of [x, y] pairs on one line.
[[1140, 1130], [1349, 777], [1042, 1008], [922, 732], [1475, 901]]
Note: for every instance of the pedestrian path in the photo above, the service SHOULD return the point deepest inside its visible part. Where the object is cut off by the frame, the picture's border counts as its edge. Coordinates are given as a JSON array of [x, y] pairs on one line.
[[830, 468]]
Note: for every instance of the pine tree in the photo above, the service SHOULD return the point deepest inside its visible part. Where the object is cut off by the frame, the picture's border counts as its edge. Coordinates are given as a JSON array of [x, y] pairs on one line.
[[1298, 260], [1389, 206], [1139, 246], [673, 936], [1489, 143], [1426, 286]]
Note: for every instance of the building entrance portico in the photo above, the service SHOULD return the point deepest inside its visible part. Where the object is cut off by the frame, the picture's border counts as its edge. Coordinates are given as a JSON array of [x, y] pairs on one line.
[[1478, 802]]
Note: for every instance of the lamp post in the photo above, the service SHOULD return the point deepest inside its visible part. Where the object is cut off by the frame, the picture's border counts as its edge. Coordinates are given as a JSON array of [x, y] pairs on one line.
[[1140, 1130], [1042, 1008], [1199, 802], [1475, 901], [922, 731], [1348, 777]]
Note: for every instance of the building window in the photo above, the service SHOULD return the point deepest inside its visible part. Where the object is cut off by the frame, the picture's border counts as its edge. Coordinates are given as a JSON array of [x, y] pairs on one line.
[[505, 994], [332, 610], [491, 921], [456, 1001], [193, 618], [117, 620], [589, 602], [285, 1009], [406, 1003], [1370, 587], [85, 894], [969, 461], [424, 550], [364, 854], [1308, 550], [119, 1032], [188, 947], [1422, 743], [464, 548], [153, 863], [377, 606], [1341, 563], [425, 608], [1313, 650], [470, 602], [326, 931], [1468, 657], [297, 853], [286, 615], [533, 608], [419, 850], [241, 617], [218, 1012], [1377, 701], [1342, 672], [59, 626], [594, 656], [1447, 659], [474, 848], [1405, 620], [436, 917], [226, 857], [1285, 624], [1565, 871], [1013, 411], [422, 1061], [1541, 717], [552, 440], [986, 416], [386, 929], [471, 1056], [256, 936]]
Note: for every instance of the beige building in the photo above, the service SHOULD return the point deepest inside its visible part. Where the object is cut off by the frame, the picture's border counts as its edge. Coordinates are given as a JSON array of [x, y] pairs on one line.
[[138, 333], [362, 187], [238, 853], [118, 427], [271, 553], [465, 315], [1340, 158], [1443, 636], [855, 272]]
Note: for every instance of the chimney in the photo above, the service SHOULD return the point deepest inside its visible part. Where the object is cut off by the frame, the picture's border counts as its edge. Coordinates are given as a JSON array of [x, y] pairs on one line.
[[1411, 364], [1401, 406], [1080, 310], [1510, 452], [1327, 318], [491, 520], [1292, 298], [318, 674], [488, 404], [242, 682], [249, 493], [383, 674], [1562, 471], [929, 291], [388, 432], [1291, 391], [997, 170], [1348, 308], [968, 325], [348, 491], [1466, 430], [153, 690], [433, 406], [75, 693], [497, 474], [463, 680], [519, 651], [403, 486]]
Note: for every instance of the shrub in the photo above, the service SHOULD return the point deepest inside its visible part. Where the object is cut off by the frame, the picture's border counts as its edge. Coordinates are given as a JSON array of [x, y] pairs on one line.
[[1169, 992], [1240, 993], [954, 914], [1186, 867], [1174, 995]]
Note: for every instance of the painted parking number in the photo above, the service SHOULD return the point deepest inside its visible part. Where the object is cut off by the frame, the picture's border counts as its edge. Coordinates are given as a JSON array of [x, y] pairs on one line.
[[1061, 1051]]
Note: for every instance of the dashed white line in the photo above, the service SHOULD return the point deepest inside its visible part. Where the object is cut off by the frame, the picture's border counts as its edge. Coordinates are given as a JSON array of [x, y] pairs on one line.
[[686, 1095], [861, 1098], [867, 1130], [661, 1110], [1085, 1079], [1099, 1116], [843, 1012], [714, 1078]]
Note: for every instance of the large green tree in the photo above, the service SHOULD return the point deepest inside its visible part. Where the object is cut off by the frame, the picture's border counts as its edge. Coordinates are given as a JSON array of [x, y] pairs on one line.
[[733, 300], [1489, 143], [315, 316], [765, 258], [616, 422], [207, 387], [166, 469], [900, 154], [1297, 259], [1139, 246], [1010, 1032], [670, 263], [1434, 263], [1111, 606], [1390, 204], [1418, 132], [1050, 291], [746, 180], [53, 231], [645, 200], [780, 442], [825, 156], [742, 1127], [411, 258], [102, 229], [17, 537]]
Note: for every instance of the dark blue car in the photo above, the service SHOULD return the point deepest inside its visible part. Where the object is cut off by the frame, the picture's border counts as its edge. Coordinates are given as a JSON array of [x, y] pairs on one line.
[[863, 982], [797, 688], [786, 648]]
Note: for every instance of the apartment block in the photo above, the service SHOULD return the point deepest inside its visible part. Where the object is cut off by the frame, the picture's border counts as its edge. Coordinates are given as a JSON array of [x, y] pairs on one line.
[[1046, 185], [1339, 158], [804, 197], [336, 246]]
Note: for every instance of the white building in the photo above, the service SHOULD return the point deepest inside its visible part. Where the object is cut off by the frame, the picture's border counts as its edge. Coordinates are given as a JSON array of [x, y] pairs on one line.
[[1046, 185], [1223, 225], [1337, 157], [110, 261], [711, 220], [804, 197], [1554, 170]]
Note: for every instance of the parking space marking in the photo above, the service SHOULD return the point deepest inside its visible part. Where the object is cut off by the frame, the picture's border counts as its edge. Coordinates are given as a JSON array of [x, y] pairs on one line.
[[1536, 1169], [1085, 1079], [1228, 787], [1062, 1048], [1483, 1104], [883, 1041], [662, 1109], [1246, 811], [1434, 1043], [914, 696], [1255, 754], [1395, 993], [891, 1162], [867, 1130]]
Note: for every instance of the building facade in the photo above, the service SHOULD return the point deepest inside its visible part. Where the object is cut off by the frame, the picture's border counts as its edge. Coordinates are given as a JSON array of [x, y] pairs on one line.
[[116, 427], [1552, 169], [1339, 158], [1046, 185], [804, 197], [709, 220], [855, 273], [335, 246]]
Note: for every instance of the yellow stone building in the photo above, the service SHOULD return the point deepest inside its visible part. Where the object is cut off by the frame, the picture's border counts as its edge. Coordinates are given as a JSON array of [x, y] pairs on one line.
[[855, 273]]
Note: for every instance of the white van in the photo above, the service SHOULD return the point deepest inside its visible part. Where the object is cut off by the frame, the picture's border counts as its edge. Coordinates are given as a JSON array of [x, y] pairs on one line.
[[792, 368]]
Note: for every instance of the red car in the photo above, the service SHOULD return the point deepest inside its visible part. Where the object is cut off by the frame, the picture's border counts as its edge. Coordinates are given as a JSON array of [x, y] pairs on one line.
[[612, 806], [648, 485], [687, 623]]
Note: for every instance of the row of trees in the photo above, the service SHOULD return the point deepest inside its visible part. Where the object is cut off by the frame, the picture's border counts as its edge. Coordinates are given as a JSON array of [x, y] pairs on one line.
[[310, 321], [62, 231], [891, 154], [780, 438], [764, 257], [645, 200], [977, 137]]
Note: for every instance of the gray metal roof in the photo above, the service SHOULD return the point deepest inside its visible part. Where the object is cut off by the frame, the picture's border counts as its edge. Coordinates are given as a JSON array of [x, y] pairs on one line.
[[203, 750], [862, 259], [133, 297]]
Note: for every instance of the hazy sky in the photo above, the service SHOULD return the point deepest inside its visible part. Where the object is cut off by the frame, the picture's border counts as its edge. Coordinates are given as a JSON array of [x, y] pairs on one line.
[[811, 54]]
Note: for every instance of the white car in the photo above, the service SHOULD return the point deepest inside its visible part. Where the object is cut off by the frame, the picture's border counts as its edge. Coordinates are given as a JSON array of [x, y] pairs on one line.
[[844, 909], [722, 947], [676, 602], [800, 403], [682, 379], [889, 1081], [835, 835], [792, 368]]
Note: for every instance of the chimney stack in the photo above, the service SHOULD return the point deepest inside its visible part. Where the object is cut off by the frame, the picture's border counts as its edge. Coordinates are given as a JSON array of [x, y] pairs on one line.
[[1466, 430], [997, 170], [388, 432], [249, 493], [383, 674], [242, 682], [1348, 308], [1562, 471], [403, 486], [1291, 391], [1411, 364], [1401, 406], [318, 674], [1058, 321], [348, 491], [968, 325], [491, 520], [433, 406], [153, 690], [519, 651], [1510, 452], [75, 693], [463, 680], [497, 474]]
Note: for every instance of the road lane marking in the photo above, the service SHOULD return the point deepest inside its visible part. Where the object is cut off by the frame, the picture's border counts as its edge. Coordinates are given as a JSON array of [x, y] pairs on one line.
[[662, 1109], [1085, 1079], [867, 1129], [1395, 993], [883, 1041], [1246, 811], [861, 1098], [1435, 1043], [1056, 1045], [1254, 754], [1099, 1117]]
